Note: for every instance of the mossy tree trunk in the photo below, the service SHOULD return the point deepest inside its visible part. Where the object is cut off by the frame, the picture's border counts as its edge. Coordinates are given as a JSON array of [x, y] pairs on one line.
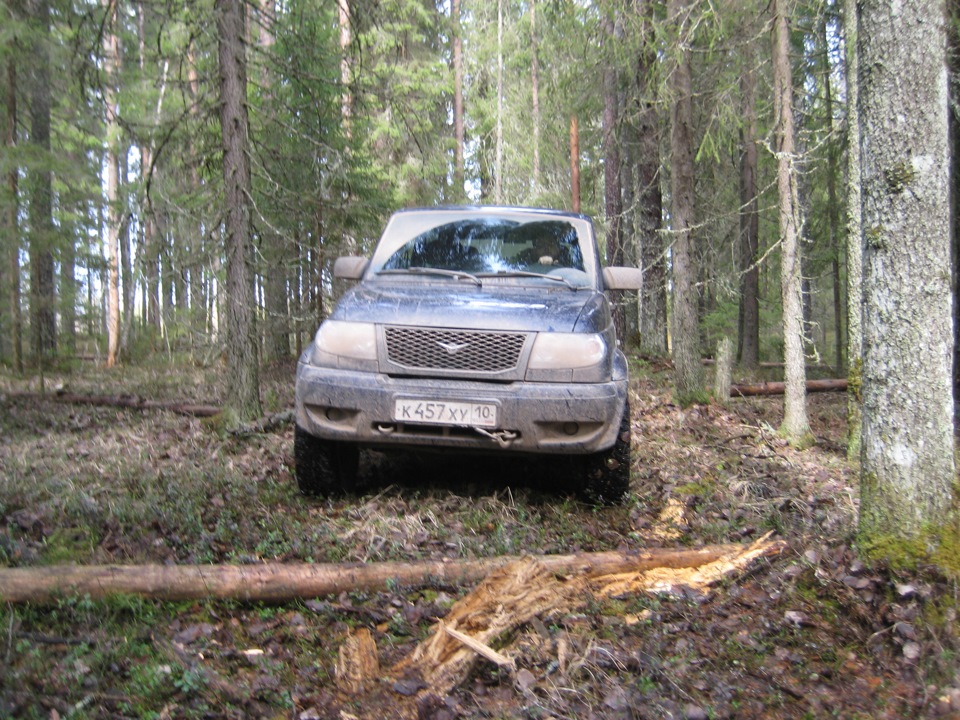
[[907, 440]]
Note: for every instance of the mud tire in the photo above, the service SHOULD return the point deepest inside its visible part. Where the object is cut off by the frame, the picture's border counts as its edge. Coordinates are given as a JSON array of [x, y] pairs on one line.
[[324, 467], [608, 472]]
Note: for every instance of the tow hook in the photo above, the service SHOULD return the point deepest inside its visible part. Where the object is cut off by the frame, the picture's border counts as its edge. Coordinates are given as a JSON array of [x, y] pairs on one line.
[[504, 438]]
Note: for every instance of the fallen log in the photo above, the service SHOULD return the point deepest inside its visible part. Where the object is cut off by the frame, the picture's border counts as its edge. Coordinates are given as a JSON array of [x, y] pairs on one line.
[[122, 401], [277, 582], [778, 388]]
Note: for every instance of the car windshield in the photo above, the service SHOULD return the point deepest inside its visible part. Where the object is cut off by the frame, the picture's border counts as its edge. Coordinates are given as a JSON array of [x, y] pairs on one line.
[[494, 246]]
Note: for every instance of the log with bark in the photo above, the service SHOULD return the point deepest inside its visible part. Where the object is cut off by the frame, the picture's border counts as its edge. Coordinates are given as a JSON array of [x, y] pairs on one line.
[[286, 581], [123, 401], [777, 388]]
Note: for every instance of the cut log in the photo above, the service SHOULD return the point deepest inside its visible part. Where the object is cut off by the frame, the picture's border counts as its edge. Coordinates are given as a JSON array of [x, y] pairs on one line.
[[279, 582], [777, 388]]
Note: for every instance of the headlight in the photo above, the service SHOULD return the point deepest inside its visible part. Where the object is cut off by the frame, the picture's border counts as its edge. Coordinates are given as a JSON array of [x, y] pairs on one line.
[[357, 341], [565, 351]]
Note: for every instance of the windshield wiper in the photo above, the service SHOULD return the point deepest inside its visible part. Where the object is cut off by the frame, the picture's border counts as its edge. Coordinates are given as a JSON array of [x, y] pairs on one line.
[[527, 273], [456, 274]]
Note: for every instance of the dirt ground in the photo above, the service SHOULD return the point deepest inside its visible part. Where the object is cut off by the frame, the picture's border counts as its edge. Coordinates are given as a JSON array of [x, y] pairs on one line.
[[811, 633]]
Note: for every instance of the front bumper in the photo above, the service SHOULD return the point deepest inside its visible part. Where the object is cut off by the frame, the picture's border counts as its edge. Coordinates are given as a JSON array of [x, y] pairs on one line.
[[561, 418]]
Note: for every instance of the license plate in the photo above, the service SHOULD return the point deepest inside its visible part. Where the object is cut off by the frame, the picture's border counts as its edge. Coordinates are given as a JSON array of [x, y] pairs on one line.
[[445, 412]]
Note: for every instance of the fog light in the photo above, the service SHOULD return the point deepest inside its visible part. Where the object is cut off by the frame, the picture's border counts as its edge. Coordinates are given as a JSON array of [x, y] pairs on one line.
[[571, 428], [335, 414]]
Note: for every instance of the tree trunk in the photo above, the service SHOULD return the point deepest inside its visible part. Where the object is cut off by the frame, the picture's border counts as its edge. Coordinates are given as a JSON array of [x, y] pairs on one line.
[[11, 220], [613, 194], [688, 371], [574, 164], [43, 321], [285, 581], [498, 164], [953, 66], [649, 201], [276, 293], [346, 98], [535, 92], [908, 473], [749, 336], [833, 203], [854, 235], [111, 62], [243, 377], [458, 120], [795, 427]]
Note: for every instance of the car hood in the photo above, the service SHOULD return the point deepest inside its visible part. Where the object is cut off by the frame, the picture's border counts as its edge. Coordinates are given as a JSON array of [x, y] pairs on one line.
[[453, 304]]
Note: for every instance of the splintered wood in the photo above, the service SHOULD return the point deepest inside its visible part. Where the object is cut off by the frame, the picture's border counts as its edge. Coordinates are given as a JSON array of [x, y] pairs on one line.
[[516, 594]]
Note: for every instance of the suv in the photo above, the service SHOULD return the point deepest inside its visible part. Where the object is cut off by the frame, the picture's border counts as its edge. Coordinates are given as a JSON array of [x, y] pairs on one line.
[[480, 329]]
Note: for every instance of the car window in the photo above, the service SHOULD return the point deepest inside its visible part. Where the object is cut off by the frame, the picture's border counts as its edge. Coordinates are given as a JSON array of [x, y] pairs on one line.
[[492, 245]]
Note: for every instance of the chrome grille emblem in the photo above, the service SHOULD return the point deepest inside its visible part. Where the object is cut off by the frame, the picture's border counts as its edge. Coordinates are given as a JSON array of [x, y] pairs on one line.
[[453, 348]]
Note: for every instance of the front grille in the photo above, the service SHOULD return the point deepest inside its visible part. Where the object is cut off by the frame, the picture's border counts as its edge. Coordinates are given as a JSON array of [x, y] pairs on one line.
[[433, 349]]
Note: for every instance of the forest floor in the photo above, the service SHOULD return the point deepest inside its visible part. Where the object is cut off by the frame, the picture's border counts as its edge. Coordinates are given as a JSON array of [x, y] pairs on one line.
[[810, 633]]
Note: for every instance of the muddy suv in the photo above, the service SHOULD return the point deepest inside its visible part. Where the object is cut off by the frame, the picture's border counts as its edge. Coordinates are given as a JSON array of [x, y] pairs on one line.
[[470, 330]]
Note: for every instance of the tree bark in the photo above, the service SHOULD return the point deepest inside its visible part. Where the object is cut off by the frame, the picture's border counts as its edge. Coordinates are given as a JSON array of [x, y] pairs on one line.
[[833, 203], [795, 427], [688, 371], [458, 120], [11, 219], [285, 581], [498, 134], [243, 375], [649, 197], [534, 91], [43, 321], [574, 164], [854, 234], [908, 472], [613, 194], [749, 337], [111, 63]]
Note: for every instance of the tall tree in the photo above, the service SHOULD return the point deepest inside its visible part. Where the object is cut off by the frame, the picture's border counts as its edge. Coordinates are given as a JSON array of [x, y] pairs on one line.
[[908, 473], [458, 120], [242, 399], [854, 234], [748, 353], [649, 196], [688, 371], [795, 427], [43, 320], [111, 62], [534, 92], [613, 192], [10, 215]]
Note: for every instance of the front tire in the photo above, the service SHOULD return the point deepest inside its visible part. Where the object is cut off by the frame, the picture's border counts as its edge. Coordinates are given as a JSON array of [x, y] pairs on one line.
[[608, 471], [324, 467]]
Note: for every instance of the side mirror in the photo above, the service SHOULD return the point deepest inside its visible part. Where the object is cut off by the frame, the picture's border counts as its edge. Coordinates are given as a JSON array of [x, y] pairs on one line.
[[622, 278], [350, 267]]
